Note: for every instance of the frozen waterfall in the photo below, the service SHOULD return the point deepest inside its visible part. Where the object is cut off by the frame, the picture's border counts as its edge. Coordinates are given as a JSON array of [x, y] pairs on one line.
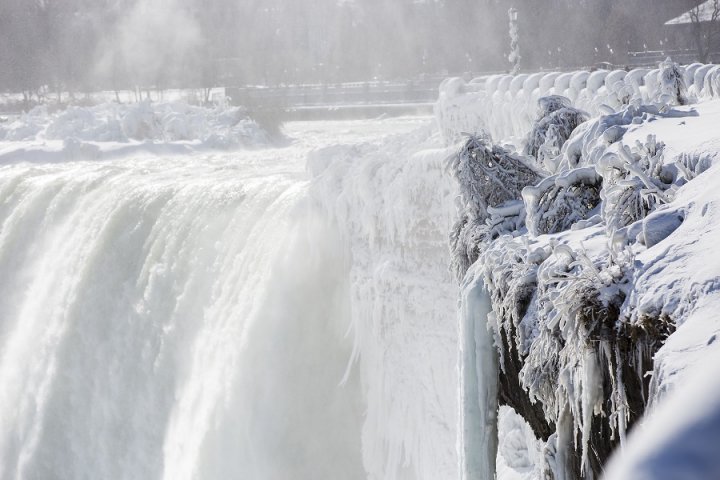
[[231, 315], [172, 318]]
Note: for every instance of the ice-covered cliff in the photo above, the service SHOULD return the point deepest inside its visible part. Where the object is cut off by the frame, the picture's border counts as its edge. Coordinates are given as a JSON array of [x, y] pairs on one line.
[[595, 252]]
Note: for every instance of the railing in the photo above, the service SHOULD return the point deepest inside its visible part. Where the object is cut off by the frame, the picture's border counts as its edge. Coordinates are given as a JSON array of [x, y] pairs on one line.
[[653, 57], [344, 94]]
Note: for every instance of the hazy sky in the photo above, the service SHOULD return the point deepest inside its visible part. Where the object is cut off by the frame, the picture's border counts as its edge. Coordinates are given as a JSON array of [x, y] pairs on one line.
[[87, 44]]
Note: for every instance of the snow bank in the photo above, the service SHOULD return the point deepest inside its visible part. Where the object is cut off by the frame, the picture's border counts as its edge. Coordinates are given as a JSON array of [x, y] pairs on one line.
[[144, 121], [603, 275], [490, 104]]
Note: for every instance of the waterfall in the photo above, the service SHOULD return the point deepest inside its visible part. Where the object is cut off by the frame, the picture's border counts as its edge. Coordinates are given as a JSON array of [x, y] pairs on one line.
[[187, 315], [172, 318]]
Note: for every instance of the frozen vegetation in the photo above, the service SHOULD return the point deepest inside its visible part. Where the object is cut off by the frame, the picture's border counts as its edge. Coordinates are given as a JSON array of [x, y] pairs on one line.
[[598, 269]]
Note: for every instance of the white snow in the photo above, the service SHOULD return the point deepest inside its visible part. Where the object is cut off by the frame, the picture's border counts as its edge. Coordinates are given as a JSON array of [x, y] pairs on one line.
[[220, 127]]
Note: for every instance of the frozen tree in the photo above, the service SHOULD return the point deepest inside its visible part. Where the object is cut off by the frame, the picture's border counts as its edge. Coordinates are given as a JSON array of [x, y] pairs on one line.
[[556, 121], [637, 182], [490, 177], [705, 21], [673, 90], [560, 201]]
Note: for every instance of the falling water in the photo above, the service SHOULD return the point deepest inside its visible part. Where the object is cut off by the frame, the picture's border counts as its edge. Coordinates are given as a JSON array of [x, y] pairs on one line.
[[154, 319], [187, 317]]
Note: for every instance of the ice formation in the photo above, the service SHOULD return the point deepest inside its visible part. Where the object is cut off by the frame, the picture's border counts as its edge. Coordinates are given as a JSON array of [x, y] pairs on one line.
[[575, 339], [219, 127], [505, 105], [393, 205], [478, 365]]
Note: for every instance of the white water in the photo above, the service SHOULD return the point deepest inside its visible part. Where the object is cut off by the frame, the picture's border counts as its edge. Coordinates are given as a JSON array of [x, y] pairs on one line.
[[187, 316], [174, 318]]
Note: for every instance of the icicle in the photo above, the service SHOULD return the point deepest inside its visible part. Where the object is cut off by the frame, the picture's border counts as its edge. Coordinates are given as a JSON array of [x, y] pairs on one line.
[[477, 431]]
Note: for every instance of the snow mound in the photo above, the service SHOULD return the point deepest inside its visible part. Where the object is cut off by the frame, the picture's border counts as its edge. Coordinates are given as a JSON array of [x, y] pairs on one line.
[[488, 103], [144, 121]]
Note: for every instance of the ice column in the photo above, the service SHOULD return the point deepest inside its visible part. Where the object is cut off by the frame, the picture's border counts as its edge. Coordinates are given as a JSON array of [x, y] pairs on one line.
[[477, 432]]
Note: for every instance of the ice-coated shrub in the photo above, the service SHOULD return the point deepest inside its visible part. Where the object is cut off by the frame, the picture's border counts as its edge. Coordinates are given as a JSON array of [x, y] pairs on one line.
[[637, 182], [560, 201], [572, 366], [562, 341], [629, 201], [489, 177], [556, 122], [672, 83], [551, 103]]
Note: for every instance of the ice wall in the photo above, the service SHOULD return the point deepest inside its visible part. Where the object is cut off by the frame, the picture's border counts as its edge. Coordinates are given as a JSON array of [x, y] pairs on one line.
[[394, 205]]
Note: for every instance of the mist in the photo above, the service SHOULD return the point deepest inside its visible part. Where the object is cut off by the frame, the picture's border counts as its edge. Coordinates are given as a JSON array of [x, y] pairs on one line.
[[80, 45]]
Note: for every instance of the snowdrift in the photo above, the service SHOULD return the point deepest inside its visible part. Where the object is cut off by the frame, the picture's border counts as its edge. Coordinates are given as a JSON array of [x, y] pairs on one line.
[[506, 105], [138, 122]]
